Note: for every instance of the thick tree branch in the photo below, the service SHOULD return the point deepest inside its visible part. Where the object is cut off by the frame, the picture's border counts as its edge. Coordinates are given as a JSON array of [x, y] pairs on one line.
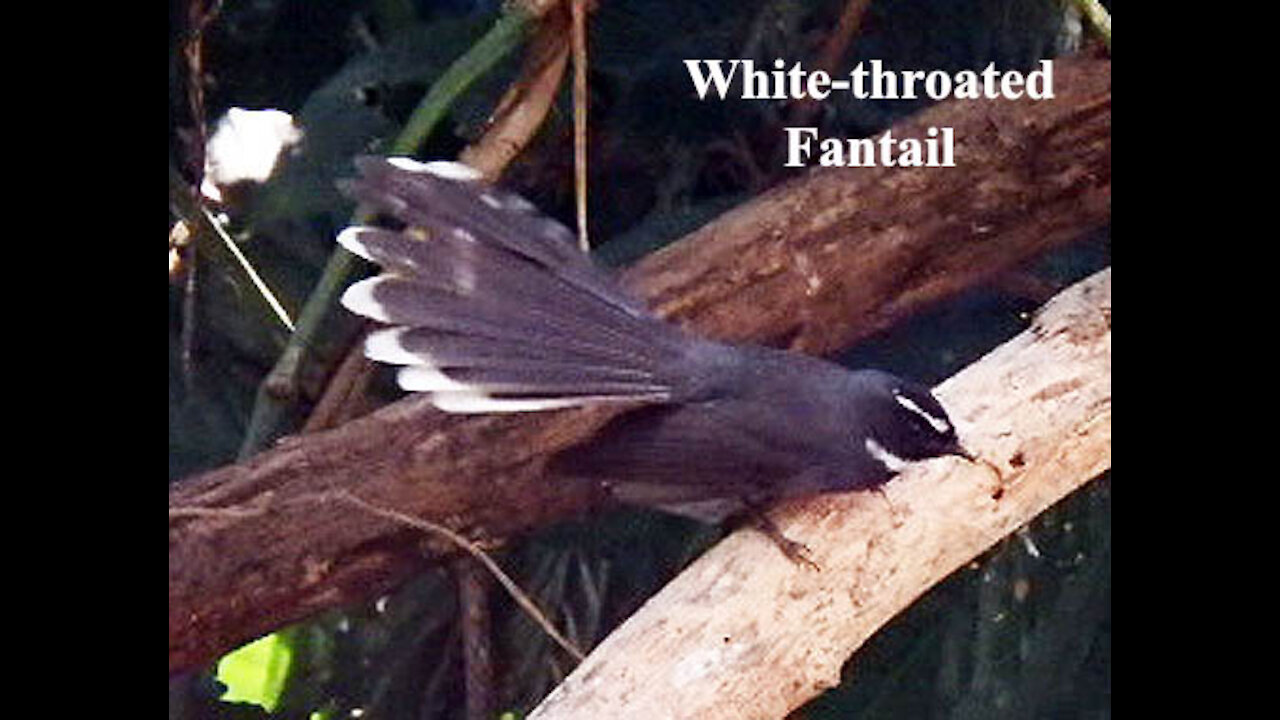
[[746, 633], [816, 264]]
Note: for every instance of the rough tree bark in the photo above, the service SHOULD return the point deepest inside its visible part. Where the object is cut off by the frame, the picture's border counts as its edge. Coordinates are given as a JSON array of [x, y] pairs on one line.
[[814, 264], [745, 633]]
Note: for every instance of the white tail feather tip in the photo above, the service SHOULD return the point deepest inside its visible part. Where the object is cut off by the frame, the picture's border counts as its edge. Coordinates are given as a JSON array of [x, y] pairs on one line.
[[471, 402], [440, 168], [387, 346], [359, 299], [422, 378], [349, 238]]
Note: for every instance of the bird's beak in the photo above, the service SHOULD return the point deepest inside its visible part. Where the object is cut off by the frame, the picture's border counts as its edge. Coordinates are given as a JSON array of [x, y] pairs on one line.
[[972, 457], [960, 451]]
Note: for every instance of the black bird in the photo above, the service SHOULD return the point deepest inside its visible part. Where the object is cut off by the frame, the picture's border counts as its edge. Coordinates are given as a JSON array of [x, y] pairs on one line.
[[492, 307]]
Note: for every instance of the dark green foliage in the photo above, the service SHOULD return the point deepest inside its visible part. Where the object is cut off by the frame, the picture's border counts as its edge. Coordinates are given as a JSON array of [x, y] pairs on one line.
[[1022, 632]]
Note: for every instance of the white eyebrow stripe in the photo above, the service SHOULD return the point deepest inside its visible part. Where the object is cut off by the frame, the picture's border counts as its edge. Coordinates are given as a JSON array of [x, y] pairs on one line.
[[936, 423]]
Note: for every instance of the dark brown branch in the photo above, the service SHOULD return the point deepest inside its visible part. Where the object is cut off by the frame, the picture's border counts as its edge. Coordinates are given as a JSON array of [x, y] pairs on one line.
[[474, 582], [817, 264]]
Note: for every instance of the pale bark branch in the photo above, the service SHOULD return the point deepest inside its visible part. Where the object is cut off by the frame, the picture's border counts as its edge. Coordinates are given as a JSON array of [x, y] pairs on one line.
[[745, 633], [815, 264]]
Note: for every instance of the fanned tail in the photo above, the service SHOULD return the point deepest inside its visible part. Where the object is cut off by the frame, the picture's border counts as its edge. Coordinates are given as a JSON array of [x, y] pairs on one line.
[[492, 306]]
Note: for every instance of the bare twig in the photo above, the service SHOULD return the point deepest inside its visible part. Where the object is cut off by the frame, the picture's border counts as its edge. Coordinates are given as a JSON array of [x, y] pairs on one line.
[[521, 598], [833, 49], [580, 103], [525, 104]]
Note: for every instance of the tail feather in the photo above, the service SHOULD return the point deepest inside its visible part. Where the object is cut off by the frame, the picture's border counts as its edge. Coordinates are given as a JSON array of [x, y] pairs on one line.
[[414, 346], [444, 197], [492, 305], [403, 302], [526, 380], [458, 267]]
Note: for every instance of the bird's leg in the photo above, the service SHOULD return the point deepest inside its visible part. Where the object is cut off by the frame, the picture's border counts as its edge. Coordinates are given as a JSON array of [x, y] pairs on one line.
[[795, 551]]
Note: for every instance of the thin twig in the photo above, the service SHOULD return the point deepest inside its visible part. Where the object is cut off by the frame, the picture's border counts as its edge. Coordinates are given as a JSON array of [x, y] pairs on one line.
[[199, 18], [204, 226], [248, 269], [833, 49], [187, 340], [522, 599], [578, 9], [520, 113], [341, 397]]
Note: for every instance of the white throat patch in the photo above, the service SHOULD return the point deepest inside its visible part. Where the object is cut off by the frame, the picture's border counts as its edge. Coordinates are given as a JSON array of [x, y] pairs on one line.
[[891, 462], [936, 423]]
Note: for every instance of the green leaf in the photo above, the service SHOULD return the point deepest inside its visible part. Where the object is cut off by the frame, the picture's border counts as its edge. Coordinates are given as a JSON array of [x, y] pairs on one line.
[[256, 673]]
